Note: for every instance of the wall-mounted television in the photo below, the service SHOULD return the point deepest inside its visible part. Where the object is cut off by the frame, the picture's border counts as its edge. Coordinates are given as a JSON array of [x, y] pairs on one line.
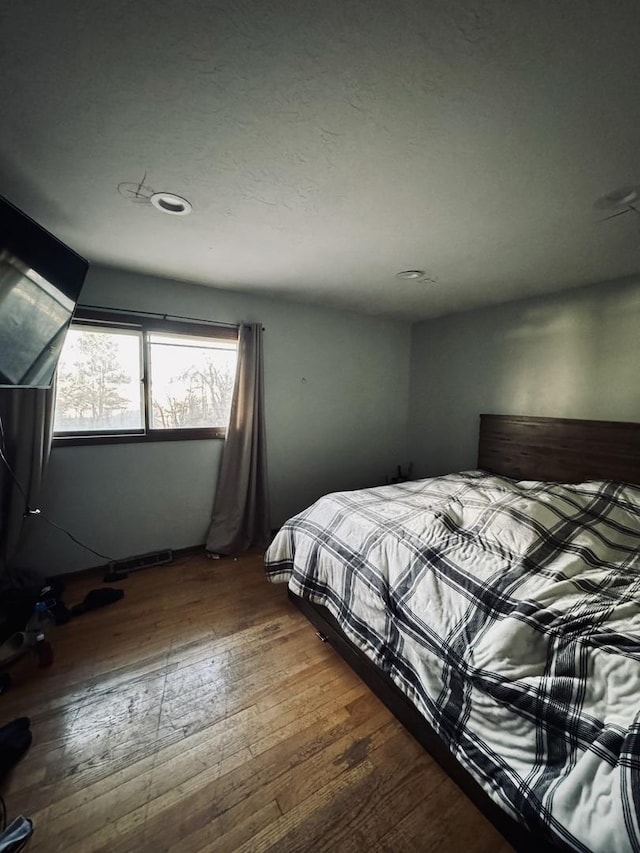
[[40, 281]]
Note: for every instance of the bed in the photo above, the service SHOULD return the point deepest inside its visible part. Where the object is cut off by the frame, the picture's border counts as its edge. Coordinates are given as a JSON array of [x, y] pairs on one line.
[[497, 613]]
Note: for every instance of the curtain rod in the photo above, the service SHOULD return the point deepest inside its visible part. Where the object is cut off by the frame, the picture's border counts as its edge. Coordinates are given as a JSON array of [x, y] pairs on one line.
[[161, 316]]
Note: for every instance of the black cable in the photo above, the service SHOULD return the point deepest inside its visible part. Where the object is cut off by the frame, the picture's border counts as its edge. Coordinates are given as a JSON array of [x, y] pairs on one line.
[[13, 476], [37, 512], [70, 535], [4, 558], [3, 450]]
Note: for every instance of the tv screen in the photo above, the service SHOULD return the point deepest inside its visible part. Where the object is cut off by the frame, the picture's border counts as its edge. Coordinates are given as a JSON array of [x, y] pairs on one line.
[[40, 281]]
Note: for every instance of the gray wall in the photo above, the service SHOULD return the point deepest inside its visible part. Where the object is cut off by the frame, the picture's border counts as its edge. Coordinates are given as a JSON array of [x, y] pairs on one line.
[[336, 410], [574, 355]]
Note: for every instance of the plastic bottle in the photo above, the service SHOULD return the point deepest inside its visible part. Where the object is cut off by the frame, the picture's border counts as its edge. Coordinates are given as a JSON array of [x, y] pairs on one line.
[[38, 633], [40, 621]]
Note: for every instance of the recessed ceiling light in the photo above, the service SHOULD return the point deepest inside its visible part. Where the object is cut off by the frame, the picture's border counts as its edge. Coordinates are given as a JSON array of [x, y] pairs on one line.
[[410, 274], [170, 203]]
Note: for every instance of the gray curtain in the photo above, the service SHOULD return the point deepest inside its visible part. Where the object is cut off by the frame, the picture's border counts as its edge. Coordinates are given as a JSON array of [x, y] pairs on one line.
[[27, 418], [240, 516]]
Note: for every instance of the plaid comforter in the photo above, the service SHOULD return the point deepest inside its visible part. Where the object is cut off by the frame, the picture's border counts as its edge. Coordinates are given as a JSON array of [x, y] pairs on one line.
[[509, 613]]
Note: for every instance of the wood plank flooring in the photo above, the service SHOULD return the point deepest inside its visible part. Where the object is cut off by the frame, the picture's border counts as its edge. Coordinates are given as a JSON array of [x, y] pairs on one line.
[[202, 713]]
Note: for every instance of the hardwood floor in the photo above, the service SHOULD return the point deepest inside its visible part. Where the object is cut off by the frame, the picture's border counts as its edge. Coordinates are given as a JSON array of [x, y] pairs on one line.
[[202, 713]]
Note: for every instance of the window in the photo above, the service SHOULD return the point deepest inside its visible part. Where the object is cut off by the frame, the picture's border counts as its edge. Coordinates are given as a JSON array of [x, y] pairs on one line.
[[124, 378]]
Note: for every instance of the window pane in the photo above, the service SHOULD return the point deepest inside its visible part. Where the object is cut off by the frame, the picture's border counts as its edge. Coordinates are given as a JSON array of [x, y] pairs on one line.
[[99, 381], [191, 381]]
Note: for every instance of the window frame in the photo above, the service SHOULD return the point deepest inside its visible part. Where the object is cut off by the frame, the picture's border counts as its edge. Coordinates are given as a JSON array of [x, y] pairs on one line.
[[120, 320]]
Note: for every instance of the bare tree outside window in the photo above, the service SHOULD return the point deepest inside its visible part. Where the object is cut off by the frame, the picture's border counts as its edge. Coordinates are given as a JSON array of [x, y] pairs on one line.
[[127, 379], [191, 381], [99, 381]]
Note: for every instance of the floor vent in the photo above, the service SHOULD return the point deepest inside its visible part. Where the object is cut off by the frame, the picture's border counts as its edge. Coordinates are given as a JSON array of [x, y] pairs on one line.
[[142, 561]]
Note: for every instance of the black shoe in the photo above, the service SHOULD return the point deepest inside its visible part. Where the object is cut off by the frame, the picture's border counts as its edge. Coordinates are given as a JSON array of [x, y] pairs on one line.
[[12, 748]]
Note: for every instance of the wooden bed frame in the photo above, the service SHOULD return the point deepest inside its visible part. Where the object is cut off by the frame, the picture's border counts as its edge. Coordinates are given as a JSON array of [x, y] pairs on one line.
[[559, 449], [525, 448]]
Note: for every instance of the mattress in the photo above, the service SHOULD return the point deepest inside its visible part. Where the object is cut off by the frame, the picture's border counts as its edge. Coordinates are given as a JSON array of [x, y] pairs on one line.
[[509, 614]]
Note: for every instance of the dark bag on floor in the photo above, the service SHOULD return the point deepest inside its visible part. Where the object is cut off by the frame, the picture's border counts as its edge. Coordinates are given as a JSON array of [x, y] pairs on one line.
[[16, 607]]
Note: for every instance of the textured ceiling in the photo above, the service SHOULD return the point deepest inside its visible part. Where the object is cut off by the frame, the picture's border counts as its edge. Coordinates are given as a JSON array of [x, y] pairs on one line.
[[325, 146]]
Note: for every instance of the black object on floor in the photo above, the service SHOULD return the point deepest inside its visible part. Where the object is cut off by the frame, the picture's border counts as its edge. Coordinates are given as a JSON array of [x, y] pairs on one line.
[[16, 606], [15, 740], [97, 598], [20, 724], [14, 648], [60, 612], [114, 577]]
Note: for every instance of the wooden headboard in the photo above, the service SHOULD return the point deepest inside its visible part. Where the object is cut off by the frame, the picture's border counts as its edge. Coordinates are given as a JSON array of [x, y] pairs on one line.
[[560, 449]]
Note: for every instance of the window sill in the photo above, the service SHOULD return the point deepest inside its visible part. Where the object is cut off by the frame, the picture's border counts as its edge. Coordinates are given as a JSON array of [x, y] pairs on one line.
[[88, 440]]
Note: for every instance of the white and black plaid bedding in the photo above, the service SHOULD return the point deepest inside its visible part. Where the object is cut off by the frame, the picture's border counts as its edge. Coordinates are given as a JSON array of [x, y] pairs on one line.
[[509, 613]]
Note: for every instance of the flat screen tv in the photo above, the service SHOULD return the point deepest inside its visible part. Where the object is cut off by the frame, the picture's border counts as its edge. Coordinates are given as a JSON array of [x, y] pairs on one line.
[[40, 281]]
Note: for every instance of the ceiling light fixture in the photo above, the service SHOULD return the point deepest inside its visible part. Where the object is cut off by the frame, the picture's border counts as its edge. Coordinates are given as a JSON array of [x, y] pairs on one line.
[[170, 203], [620, 201], [622, 197], [410, 274]]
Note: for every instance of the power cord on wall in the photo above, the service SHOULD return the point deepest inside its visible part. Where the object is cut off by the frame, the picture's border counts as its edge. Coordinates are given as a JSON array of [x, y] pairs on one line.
[[28, 511], [38, 512]]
